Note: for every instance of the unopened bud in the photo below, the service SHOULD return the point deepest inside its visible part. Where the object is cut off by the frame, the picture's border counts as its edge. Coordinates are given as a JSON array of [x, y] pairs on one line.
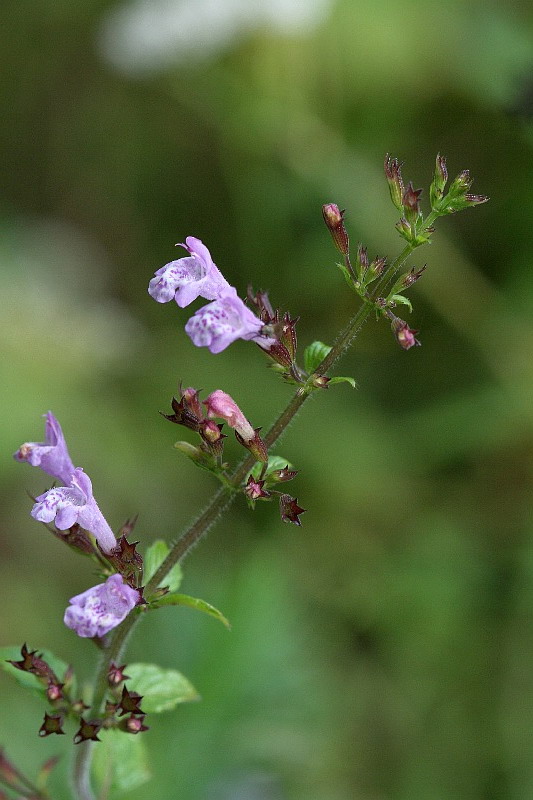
[[334, 219], [411, 277], [116, 675], [461, 184], [211, 431], [361, 261], [133, 724], [320, 381], [254, 489], [53, 691], [404, 229], [256, 446], [436, 190], [377, 267], [394, 179], [410, 201], [405, 336]]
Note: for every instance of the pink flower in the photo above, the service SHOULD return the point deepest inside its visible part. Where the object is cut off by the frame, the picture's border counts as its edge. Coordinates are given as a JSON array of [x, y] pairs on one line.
[[188, 278], [220, 404], [52, 455], [101, 608], [218, 324], [405, 336], [75, 504]]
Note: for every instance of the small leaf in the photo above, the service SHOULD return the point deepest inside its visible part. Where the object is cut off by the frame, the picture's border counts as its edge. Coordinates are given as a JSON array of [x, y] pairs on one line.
[[274, 463], [27, 679], [404, 301], [161, 689], [155, 555], [339, 379], [347, 276], [120, 764], [314, 354], [191, 602]]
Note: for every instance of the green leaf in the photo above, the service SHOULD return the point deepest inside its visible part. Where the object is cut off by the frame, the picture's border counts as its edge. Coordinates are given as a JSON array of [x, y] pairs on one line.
[[120, 764], [404, 301], [26, 679], [155, 555], [339, 379], [347, 276], [191, 602], [314, 354], [274, 463], [161, 689]]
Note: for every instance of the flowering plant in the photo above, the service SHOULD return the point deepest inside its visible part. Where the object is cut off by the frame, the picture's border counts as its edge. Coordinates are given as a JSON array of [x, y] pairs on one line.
[[131, 584]]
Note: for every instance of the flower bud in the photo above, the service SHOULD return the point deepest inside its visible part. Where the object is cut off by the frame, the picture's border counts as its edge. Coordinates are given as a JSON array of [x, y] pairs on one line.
[[334, 219], [254, 489], [410, 201], [256, 446], [411, 277], [116, 675], [361, 261], [405, 336], [394, 179], [289, 509], [436, 190], [133, 724]]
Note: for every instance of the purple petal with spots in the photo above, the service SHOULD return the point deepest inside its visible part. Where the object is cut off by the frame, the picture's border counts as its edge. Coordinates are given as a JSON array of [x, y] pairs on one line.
[[68, 505], [220, 323], [188, 278], [51, 456], [101, 608]]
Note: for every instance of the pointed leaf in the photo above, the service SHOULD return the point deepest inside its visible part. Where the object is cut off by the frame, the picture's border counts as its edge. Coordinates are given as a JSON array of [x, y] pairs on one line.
[[344, 379], [27, 679], [119, 763], [404, 301], [155, 555], [161, 689], [191, 602], [314, 354]]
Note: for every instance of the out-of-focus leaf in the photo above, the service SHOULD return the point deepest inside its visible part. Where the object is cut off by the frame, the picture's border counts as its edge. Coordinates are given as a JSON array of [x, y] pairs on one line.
[[274, 463], [191, 602], [120, 764], [155, 555], [161, 689]]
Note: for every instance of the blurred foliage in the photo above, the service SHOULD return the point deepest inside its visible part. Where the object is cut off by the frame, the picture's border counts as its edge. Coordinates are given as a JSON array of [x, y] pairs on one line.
[[384, 649]]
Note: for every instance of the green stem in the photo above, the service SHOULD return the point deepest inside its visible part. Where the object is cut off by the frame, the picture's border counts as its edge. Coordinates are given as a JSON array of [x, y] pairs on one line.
[[220, 501]]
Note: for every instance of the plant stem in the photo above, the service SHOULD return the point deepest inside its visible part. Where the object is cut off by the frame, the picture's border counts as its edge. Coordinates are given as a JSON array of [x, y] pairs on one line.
[[220, 501]]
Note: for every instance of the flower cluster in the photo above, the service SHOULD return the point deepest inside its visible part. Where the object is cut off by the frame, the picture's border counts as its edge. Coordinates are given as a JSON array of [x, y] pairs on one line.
[[72, 507], [222, 321]]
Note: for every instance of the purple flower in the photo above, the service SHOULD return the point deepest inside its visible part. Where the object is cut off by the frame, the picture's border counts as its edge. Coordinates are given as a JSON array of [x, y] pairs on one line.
[[52, 455], [101, 608], [218, 324], [188, 278], [68, 505]]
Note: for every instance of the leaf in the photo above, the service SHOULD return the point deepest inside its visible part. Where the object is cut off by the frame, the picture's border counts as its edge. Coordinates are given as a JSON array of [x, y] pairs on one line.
[[27, 679], [161, 689], [120, 764], [339, 379], [404, 301], [155, 555], [191, 602], [347, 276], [314, 354], [274, 463]]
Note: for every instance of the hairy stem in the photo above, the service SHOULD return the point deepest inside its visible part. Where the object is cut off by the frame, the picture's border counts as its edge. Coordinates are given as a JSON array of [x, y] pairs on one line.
[[220, 501]]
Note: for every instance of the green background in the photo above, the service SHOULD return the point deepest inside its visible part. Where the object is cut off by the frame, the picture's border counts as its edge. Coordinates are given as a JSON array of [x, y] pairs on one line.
[[385, 648]]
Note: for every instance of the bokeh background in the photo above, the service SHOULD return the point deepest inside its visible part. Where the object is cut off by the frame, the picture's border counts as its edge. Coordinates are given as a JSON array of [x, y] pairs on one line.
[[385, 649]]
